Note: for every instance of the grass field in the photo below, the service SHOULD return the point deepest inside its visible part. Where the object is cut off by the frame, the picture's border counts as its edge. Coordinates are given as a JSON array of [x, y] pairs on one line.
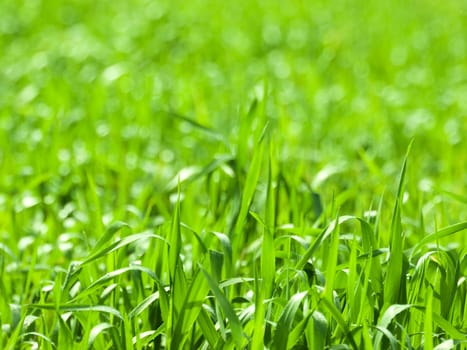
[[233, 175]]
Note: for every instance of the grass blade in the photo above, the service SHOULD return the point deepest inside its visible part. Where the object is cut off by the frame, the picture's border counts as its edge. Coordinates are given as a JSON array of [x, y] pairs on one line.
[[226, 307], [394, 284], [386, 318], [444, 232], [119, 244], [317, 331], [96, 331], [249, 187], [268, 258], [337, 315], [286, 319], [428, 322]]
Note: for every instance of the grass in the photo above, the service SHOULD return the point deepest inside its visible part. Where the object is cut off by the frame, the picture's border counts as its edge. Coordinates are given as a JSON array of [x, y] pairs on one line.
[[220, 175]]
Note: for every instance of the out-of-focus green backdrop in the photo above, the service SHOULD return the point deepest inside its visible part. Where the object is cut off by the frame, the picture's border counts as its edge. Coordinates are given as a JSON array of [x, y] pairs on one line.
[[340, 76]]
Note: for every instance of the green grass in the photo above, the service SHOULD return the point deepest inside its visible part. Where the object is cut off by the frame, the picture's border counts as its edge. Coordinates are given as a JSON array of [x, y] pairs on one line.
[[230, 175]]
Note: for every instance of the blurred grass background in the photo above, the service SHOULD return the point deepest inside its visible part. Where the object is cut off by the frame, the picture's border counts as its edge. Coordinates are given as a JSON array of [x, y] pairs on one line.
[[90, 89]]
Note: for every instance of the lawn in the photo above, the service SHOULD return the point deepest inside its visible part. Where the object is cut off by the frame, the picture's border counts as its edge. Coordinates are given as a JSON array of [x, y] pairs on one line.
[[233, 175]]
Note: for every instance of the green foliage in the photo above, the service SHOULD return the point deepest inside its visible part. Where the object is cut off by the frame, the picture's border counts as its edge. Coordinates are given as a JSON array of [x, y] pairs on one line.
[[233, 175]]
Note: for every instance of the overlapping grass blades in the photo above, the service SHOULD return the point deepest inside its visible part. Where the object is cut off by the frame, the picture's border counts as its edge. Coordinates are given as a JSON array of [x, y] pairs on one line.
[[302, 290]]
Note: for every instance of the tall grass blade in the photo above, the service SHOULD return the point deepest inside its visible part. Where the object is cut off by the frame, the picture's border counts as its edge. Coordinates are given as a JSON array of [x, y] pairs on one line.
[[208, 329], [317, 331], [332, 262], [226, 307], [428, 321], [191, 307], [259, 322], [177, 279], [394, 284], [268, 259], [249, 187], [286, 319]]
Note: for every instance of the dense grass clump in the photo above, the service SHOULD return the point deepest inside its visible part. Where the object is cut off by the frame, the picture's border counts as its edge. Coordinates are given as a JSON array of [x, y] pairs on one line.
[[233, 175]]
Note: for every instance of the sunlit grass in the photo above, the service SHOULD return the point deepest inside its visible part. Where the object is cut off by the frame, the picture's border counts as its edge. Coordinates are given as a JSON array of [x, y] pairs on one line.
[[220, 175]]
